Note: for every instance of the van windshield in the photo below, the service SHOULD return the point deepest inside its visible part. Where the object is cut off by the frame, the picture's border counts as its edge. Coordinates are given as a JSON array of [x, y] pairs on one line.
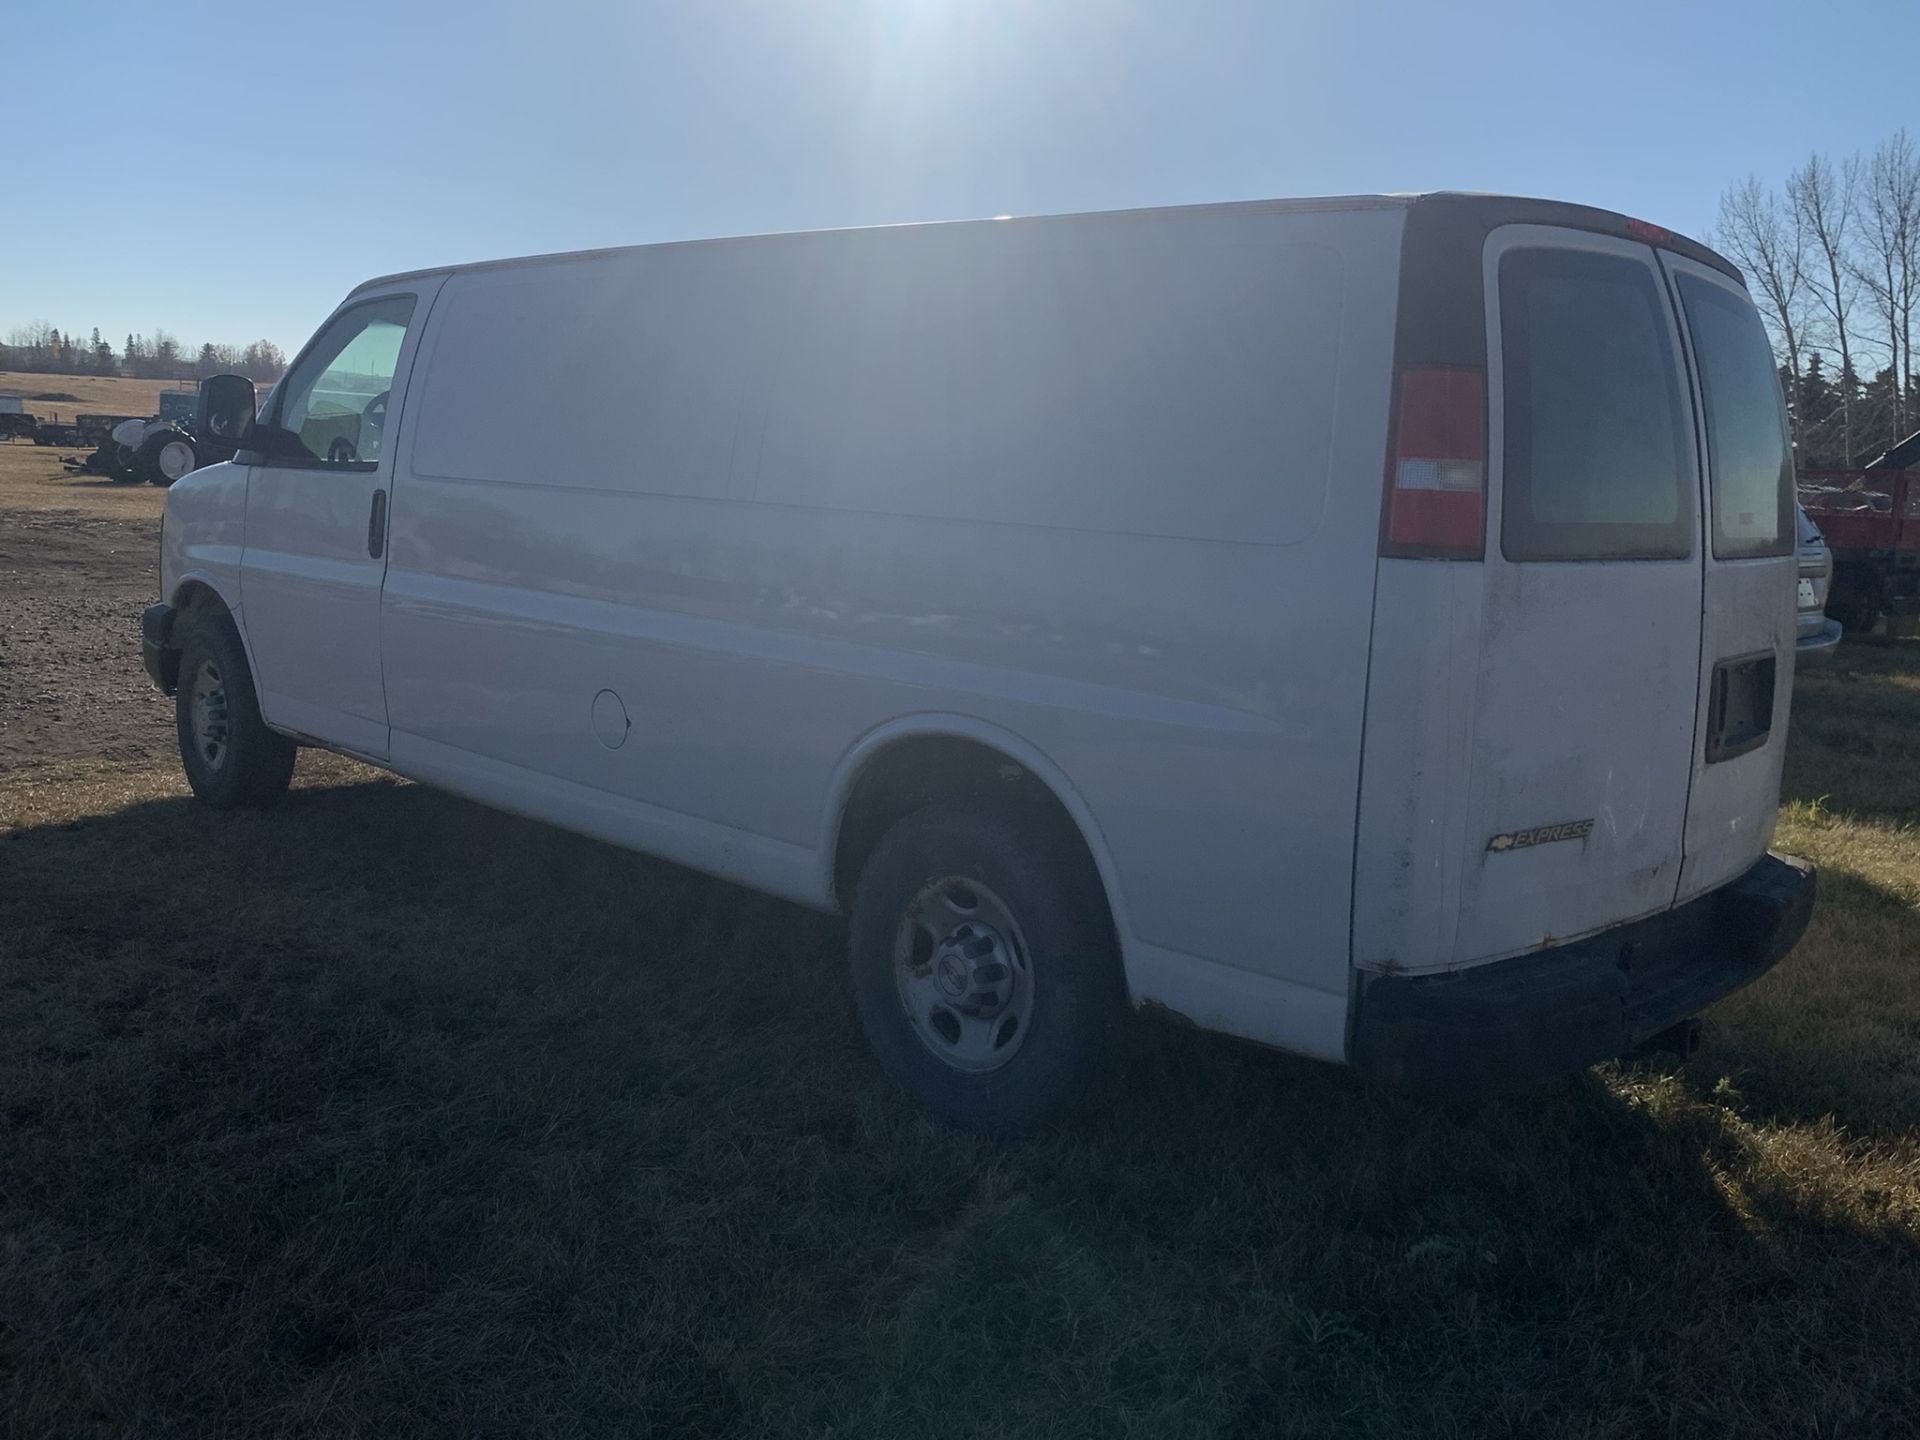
[[1749, 461]]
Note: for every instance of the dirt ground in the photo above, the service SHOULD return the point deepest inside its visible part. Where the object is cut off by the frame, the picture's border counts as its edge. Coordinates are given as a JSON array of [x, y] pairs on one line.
[[79, 561]]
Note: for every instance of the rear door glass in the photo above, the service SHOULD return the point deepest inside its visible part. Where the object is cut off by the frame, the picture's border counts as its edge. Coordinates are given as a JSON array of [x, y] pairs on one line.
[[1597, 463], [1747, 451]]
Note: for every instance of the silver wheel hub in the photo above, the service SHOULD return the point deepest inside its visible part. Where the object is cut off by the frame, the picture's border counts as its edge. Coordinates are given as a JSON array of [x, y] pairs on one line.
[[207, 715], [964, 975], [175, 460]]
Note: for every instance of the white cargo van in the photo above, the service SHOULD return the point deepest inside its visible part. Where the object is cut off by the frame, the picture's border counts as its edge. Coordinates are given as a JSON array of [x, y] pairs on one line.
[[1361, 625]]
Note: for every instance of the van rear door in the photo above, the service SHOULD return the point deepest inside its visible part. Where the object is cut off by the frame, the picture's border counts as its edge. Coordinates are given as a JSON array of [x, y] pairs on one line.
[[1589, 648], [1747, 653]]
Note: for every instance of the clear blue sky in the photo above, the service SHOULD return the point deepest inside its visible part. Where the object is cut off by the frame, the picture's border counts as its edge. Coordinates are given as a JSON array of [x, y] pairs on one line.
[[253, 162]]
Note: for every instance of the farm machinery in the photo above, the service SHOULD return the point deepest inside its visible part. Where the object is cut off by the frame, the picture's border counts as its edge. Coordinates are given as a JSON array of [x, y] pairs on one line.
[[163, 447], [158, 449]]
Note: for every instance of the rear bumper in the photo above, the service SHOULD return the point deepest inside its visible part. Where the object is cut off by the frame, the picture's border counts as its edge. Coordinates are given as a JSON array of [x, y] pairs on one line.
[[157, 651], [1817, 644], [1514, 1022]]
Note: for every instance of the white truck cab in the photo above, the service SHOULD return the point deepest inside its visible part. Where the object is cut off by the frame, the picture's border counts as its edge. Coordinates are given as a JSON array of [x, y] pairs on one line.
[[1362, 625]]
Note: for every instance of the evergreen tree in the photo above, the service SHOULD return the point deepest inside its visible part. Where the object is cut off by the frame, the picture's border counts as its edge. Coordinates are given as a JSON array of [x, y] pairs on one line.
[[1876, 420], [1822, 437]]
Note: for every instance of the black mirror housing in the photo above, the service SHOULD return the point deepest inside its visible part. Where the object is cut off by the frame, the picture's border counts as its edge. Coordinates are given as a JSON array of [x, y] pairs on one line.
[[227, 408]]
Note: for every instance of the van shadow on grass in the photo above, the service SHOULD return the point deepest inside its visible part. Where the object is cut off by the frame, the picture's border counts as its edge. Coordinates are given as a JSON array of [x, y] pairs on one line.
[[380, 1111]]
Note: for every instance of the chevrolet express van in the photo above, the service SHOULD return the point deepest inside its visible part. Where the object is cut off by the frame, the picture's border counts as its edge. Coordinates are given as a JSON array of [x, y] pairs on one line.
[[1364, 626]]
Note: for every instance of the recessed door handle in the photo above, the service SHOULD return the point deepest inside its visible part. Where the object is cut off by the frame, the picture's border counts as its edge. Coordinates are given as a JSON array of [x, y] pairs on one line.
[[377, 525]]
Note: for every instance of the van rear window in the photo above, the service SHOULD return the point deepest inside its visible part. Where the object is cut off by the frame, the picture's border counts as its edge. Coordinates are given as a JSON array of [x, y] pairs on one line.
[[1747, 450], [1597, 459]]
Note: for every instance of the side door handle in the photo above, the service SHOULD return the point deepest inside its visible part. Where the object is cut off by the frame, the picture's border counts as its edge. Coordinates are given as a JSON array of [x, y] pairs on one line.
[[377, 525]]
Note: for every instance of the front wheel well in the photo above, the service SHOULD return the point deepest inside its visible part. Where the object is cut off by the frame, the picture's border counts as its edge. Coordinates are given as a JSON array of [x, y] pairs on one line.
[[912, 773], [193, 602]]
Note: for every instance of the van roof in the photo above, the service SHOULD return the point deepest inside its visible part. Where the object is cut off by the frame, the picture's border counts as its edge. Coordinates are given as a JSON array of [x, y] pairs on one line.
[[1477, 211]]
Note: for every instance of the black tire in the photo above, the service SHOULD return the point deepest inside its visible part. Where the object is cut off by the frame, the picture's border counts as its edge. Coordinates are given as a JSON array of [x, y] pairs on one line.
[[250, 764], [1856, 619], [148, 464], [1073, 1029]]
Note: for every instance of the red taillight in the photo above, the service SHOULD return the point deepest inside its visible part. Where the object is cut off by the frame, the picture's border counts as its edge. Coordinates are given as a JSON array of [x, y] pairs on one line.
[[1437, 466], [1651, 233]]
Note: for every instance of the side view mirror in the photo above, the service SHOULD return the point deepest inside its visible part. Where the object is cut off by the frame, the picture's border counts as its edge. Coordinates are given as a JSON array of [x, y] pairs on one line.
[[227, 407]]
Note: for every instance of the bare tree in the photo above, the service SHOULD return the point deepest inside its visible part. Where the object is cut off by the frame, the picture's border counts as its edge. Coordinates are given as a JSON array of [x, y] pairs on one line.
[[262, 360], [1889, 263], [1823, 199], [36, 343], [1768, 241]]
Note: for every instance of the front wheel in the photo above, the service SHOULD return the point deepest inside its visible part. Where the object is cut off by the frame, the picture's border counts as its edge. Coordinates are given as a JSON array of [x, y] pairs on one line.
[[984, 968], [230, 756]]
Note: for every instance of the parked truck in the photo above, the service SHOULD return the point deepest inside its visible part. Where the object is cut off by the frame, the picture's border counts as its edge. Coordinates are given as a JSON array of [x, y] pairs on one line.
[[1871, 520]]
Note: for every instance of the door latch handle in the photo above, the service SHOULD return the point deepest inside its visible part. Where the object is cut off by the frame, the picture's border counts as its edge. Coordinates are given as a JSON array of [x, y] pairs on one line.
[[377, 525]]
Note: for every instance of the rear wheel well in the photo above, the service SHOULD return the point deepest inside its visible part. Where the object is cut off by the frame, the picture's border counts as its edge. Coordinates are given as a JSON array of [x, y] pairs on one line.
[[923, 770]]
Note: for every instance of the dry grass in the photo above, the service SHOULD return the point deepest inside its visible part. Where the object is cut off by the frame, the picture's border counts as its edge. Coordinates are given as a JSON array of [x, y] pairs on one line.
[[93, 394], [31, 479], [379, 1113]]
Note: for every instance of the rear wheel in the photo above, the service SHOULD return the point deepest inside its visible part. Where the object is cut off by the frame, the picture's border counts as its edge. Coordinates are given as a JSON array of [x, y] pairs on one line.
[[230, 756], [984, 968]]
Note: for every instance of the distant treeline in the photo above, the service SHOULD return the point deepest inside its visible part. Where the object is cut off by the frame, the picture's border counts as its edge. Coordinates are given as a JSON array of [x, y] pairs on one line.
[[42, 349], [1833, 260]]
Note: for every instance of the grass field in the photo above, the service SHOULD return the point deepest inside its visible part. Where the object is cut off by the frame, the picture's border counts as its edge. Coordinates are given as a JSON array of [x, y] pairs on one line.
[[382, 1114]]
